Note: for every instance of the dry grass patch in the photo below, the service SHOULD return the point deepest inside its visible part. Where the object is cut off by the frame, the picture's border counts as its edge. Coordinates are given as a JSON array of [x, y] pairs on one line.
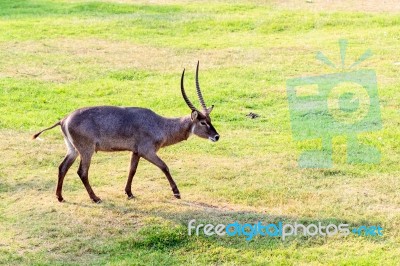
[[340, 5], [63, 60], [313, 5]]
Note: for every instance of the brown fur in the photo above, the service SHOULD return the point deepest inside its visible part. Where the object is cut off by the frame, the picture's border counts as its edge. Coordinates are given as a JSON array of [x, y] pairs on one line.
[[139, 130]]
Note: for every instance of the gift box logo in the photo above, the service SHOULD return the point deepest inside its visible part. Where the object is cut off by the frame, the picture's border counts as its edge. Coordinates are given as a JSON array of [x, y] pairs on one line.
[[344, 103]]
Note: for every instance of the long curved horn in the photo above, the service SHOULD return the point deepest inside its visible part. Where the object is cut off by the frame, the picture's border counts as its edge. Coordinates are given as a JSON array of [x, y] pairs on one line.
[[199, 95], [191, 106]]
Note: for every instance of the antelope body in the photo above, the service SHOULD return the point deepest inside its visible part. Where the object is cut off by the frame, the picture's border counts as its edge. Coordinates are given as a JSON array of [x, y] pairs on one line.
[[139, 130]]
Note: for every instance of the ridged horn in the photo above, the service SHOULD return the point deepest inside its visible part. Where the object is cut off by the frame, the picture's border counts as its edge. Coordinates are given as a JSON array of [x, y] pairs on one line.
[[199, 94], [191, 106]]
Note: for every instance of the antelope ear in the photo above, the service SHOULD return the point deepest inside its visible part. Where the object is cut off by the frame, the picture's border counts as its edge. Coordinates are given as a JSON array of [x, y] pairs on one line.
[[194, 115], [209, 109]]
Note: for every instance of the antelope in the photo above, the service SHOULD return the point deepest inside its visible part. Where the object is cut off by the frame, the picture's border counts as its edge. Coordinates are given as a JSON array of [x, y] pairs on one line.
[[134, 129]]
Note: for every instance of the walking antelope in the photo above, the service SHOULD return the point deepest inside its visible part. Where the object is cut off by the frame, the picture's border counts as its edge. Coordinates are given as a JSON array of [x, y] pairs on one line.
[[139, 130]]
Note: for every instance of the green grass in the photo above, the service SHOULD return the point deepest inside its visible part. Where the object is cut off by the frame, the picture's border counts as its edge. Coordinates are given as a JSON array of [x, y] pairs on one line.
[[57, 56]]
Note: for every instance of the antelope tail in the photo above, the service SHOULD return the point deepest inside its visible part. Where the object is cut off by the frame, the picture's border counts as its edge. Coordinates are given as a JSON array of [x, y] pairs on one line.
[[53, 126]]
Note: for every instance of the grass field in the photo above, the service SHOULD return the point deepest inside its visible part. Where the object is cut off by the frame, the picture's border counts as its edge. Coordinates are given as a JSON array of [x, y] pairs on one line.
[[56, 56]]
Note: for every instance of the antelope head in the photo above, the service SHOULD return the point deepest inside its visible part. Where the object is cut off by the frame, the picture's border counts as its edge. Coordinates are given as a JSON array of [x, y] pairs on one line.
[[201, 120]]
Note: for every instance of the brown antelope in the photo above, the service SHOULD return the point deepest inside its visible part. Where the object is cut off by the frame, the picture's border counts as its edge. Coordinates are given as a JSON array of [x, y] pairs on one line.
[[139, 130]]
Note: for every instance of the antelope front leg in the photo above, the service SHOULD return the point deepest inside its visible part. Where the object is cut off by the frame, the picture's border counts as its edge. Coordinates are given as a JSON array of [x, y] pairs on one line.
[[134, 163], [154, 159]]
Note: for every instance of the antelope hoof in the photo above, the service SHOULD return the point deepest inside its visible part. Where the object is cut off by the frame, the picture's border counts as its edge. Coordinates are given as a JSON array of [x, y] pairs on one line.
[[61, 199], [178, 196], [96, 200], [129, 194]]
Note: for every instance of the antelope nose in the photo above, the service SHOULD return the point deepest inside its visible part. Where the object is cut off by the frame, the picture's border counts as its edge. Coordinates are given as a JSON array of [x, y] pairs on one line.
[[216, 137]]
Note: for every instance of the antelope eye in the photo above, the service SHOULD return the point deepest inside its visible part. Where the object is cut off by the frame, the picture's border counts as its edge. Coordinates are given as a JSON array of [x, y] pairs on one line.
[[203, 123]]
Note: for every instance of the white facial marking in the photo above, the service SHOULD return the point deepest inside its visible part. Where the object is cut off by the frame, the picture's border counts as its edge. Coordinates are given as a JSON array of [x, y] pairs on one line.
[[192, 130]]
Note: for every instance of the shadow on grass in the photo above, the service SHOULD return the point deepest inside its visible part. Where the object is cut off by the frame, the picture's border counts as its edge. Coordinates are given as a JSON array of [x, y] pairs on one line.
[[21, 185], [166, 237], [170, 227]]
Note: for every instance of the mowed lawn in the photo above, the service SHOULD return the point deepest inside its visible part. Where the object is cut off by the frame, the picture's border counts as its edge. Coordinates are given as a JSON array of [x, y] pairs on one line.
[[56, 56]]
